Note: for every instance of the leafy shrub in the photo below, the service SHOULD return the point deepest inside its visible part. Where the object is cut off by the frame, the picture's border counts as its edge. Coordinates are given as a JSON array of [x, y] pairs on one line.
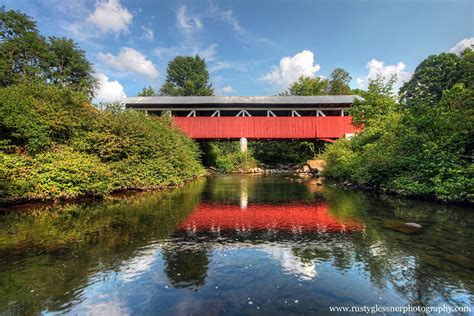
[[422, 146], [340, 160], [236, 161], [227, 157], [277, 152], [58, 174], [35, 115], [75, 150]]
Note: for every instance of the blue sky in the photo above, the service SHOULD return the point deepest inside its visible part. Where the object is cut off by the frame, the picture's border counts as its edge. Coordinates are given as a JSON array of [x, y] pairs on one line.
[[253, 47]]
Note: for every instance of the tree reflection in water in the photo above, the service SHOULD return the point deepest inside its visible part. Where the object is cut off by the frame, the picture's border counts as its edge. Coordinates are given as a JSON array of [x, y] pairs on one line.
[[186, 264], [216, 242]]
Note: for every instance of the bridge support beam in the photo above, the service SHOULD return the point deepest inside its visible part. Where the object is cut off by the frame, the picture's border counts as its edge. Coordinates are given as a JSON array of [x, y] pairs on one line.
[[243, 144]]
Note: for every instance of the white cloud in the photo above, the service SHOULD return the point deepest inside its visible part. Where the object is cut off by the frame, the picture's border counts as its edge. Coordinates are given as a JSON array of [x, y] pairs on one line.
[[377, 68], [186, 22], [147, 33], [109, 91], [110, 15], [189, 22], [462, 45], [188, 49], [291, 264], [138, 265], [76, 9], [226, 16], [208, 53], [132, 60], [291, 68], [227, 89], [167, 52], [220, 65]]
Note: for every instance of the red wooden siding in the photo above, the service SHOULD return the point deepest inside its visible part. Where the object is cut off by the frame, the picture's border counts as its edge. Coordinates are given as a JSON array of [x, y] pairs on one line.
[[266, 127], [209, 216]]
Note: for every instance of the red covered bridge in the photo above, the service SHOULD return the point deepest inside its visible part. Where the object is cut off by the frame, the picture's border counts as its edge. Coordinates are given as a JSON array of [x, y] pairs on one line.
[[265, 118]]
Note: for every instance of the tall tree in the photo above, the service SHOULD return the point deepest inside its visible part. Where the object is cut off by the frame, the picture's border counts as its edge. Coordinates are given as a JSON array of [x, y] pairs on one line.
[[25, 54], [67, 65], [187, 76], [22, 49], [308, 86], [147, 92], [466, 67], [379, 101], [339, 82], [432, 76]]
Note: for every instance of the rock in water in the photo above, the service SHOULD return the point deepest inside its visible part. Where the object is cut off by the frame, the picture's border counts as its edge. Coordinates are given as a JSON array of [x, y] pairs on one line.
[[413, 225], [316, 165], [406, 228]]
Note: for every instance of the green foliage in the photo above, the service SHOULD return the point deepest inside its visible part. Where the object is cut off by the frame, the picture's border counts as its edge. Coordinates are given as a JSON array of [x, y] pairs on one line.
[[22, 49], [25, 55], [145, 151], [58, 174], [277, 152], [420, 147], [339, 82], [235, 162], [187, 76], [340, 159], [56, 145], [305, 86], [35, 115], [379, 101], [432, 76], [309, 86], [68, 66], [147, 92], [227, 157], [73, 149]]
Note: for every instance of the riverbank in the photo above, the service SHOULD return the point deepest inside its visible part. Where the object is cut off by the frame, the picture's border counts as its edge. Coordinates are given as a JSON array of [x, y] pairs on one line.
[[417, 143], [69, 149]]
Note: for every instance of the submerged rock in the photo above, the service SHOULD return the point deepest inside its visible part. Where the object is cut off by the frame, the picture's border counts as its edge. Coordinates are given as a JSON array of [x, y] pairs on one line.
[[461, 261], [436, 262], [406, 228]]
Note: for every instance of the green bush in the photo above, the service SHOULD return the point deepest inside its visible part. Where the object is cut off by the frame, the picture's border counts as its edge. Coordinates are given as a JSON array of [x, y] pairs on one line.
[[58, 147], [340, 160], [227, 157], [422, 146], [54, 144], [36, 115], [278, 152], [57, 174], [236, 161]]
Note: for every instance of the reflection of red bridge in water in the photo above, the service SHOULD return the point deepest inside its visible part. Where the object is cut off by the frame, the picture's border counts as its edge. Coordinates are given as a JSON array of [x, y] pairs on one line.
[[299, 217]]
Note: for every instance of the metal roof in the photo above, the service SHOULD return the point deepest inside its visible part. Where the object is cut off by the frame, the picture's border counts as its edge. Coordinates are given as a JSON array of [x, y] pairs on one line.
[[237, 100]]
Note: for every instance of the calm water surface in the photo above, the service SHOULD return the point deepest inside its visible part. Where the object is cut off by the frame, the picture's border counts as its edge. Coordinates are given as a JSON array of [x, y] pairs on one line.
[[235, 245]]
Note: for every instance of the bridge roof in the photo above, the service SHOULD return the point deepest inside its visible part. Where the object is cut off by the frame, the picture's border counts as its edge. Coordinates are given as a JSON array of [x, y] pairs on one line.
[[247, 101]]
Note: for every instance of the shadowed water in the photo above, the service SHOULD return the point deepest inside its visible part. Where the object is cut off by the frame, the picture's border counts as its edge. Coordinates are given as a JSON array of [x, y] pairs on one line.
[[235, 245]]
